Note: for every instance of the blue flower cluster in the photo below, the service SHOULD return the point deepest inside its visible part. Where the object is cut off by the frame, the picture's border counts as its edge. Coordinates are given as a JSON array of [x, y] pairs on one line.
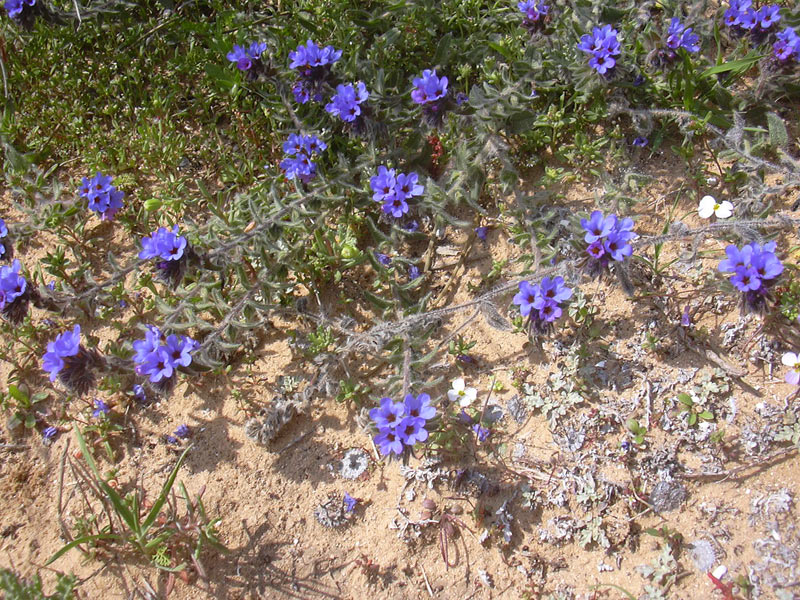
[[401, 424], [300, 149], [14, 8], [755, 269], [533, 10], [393, 190], [172, 250], [164, 244], [429, 87], [603, 45], [157, 357], [680, 37], [542, 303], [311, 56], [73, 365], [246, 59], [65, 345], [12, 285], [608, 238], [741, 15], [314, 65], [103, 197], [346, 102], [5, 247], [788, 45]]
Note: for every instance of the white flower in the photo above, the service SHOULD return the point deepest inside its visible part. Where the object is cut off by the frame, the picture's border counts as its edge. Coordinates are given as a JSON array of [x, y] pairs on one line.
[[709, 206], [790, 359], [461, 393]]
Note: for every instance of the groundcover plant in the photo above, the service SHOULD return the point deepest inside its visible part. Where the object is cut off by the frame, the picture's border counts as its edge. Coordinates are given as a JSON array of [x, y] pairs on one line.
[[456, 299]]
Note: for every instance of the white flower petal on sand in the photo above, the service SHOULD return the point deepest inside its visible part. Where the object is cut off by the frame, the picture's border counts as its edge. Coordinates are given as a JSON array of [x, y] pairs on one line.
[[461, 393], [789, 359], [724, 210], [706, 208]]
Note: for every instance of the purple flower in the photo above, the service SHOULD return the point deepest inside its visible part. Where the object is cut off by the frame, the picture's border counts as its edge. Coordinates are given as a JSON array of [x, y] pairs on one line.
[[383, 184], [103, 197], [349, 502], [555, 290], [164, 244], [395, 207], [746, 279], [101, 409], [597, 226], [346, 103], [429, 87], [49, 432], [413, 272], [596, 249], [481, 233], [68, 360], [617, 246], [310, 56], [388, 442], [736, 258], [533, 10], [680, 37], [483, 433], [526, 297], [15, 7], [3, 228], [768, 16], [686, 320], [157, 356], [388, 414], [419, 406], [183, 432], [65, 345], [603, 45], [788, 44], [641, 142], [412, 430], [754, 269], [180, 350], [406, 186], [411, 226], [239, 56], [301, 91], [383, 259], [549, 311], [12, 284], [139, 394]]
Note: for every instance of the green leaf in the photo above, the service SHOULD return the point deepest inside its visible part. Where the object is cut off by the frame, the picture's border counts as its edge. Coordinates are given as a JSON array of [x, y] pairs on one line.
[[734, 66], [706, 415], [692, 418], [122, 510], [17, 394], [162, 498], [778, 136], [686, 399], [81, 540]]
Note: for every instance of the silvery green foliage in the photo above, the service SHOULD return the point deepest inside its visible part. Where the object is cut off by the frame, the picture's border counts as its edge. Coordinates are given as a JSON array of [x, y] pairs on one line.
[[593, 533], [564, 390], [663, 569]]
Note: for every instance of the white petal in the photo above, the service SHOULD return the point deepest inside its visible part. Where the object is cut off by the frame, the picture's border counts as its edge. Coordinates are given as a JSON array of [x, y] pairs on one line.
[[789, 359], [725, 210], [459, 385], [452, 395], [705, 210], [465, 401]]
